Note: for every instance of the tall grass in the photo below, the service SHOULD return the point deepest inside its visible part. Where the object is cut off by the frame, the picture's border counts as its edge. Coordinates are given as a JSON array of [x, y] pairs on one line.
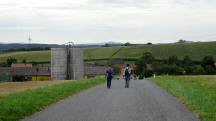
[[17, 106], [197, 92]]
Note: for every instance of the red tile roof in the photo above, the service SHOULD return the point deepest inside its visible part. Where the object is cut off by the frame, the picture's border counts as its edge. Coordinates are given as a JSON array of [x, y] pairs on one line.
[[22, 65]]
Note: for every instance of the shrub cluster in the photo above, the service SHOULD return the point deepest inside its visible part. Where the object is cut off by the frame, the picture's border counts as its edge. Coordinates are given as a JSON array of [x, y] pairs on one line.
[[174, 66]]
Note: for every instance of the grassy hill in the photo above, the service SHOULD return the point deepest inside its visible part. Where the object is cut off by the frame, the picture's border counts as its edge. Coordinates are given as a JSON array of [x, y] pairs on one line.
[[194, 50], [161, 51]]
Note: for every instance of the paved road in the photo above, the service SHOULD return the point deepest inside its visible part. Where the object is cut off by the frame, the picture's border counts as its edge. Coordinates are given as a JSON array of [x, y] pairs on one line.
[[144, 101]]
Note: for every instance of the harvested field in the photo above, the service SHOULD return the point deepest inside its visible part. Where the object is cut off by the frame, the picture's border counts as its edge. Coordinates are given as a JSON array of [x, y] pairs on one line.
[[13, 87]]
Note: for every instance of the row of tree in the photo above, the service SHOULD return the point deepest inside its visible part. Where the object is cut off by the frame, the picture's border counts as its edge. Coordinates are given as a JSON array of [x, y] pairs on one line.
[[174, 66], [28, 49]]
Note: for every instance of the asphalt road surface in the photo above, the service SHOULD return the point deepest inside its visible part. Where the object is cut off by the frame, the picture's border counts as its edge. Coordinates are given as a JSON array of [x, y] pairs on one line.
[[143, 101]]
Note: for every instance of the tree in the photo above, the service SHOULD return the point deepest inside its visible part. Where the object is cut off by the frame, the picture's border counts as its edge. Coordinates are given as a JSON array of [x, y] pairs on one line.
[[187, 61], [11, 60], [24, 61], [147, 58], [187, 64], [106, 45], [149, 43], [141, 68], [127, 44], [207, 60], [173, 60], [210, 70], [175, 70], [181, 41], [208, 65]]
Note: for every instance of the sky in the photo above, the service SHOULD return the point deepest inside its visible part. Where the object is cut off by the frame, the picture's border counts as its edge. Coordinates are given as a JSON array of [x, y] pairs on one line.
[[93, 21]]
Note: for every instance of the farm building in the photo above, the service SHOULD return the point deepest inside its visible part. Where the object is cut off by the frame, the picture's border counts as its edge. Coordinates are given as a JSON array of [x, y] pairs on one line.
[[92, 70], [41, 73], [24, 74]]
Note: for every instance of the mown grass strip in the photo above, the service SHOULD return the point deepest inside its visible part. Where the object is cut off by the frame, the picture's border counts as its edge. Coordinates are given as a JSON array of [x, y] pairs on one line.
[[197, 92], [17, 106]]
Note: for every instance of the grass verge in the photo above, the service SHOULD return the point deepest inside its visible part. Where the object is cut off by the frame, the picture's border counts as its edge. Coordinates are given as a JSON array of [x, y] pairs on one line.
[[17, 106], [197, 92]]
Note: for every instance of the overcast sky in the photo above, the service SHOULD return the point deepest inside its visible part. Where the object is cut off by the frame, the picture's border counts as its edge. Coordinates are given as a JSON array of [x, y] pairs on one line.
[[91, 21]]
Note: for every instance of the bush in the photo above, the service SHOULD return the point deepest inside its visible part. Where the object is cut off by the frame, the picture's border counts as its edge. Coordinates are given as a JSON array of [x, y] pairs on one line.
[[188, 70], [11, 60], [198, 70], [160, 68], [148, 73], [207, 60], [141, 69], [173, 60], [117, 70], [210, 70], [175, 70]]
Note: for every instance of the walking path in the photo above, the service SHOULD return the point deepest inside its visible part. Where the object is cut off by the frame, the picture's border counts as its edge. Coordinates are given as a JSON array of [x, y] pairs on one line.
[[143, 101]]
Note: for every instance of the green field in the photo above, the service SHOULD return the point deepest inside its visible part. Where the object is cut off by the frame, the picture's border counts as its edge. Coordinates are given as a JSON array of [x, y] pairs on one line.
[[162, 51], [38, 56], [196, 51], [197, 92], [16, 106]]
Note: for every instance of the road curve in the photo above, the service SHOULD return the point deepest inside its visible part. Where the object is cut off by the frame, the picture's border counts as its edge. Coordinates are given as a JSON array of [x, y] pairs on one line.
[[144, 101]]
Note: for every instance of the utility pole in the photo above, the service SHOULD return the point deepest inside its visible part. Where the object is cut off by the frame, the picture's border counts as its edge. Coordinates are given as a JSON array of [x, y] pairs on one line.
[[68, 46]]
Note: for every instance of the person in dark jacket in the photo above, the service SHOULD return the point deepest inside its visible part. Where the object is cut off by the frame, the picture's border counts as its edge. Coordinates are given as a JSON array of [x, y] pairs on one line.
[[109, 76], [127, 75]]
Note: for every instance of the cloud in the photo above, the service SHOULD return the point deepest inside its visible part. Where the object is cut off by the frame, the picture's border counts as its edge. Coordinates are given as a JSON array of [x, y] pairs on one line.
[[101, 20]]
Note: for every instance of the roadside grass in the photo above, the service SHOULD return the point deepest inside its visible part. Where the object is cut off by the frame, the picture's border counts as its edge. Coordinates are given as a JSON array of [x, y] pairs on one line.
[[19, 105], [197, 92]]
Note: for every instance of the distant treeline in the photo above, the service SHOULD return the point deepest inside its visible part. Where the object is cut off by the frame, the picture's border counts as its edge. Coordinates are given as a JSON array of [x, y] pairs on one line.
[[28, 49]]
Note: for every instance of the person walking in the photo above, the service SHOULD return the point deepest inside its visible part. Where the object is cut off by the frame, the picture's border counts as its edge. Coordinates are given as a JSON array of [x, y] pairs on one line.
[[127, 75], [109, 76]]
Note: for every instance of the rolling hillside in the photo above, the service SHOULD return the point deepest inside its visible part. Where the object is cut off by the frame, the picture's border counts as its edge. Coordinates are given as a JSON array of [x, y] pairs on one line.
[[195, 50]]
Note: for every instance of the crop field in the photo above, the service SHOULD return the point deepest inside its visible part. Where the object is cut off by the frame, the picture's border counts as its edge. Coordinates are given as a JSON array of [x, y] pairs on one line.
[[37, 56], [197, 92]]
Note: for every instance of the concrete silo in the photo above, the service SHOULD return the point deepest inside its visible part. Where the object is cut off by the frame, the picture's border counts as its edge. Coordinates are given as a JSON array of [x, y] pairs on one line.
[[67, 63]]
